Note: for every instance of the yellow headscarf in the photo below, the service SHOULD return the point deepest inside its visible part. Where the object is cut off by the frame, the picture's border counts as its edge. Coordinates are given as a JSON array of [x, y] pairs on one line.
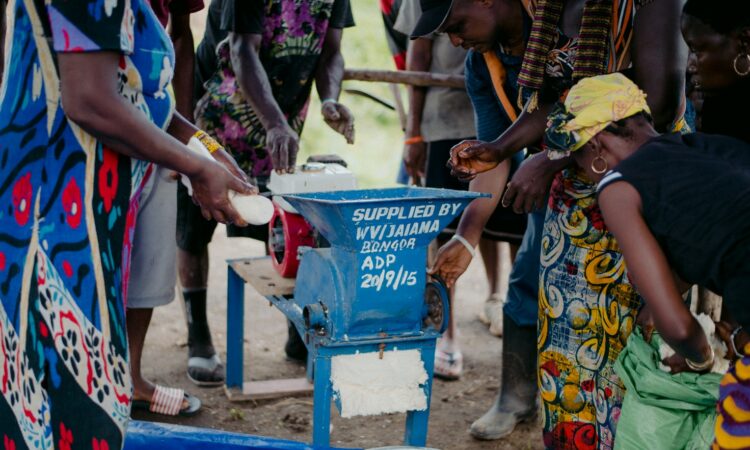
[[591, 105]]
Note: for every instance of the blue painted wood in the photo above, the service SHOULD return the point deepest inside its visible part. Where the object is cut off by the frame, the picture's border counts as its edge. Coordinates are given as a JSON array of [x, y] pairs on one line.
[[235, 328], [162, 436]]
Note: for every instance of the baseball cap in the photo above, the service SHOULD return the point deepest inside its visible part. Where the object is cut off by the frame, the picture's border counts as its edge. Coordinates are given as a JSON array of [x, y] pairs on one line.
[[434, 13]]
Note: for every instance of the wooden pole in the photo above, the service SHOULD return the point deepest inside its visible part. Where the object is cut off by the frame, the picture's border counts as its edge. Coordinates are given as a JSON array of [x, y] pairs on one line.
[[406, 77]]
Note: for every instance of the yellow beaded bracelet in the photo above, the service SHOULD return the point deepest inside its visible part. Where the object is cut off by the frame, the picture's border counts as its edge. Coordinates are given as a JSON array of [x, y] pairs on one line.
[[209, 142]]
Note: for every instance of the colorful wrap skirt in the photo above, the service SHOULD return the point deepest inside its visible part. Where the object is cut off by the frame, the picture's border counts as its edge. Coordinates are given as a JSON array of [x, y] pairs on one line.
[[587, 310]]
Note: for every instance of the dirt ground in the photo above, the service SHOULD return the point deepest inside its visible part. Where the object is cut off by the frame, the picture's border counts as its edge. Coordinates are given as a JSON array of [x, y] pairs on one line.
[[454, 404]]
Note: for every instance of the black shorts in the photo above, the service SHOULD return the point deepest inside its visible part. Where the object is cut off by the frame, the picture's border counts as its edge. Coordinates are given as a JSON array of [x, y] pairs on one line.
[[194, 232], [504, 225]]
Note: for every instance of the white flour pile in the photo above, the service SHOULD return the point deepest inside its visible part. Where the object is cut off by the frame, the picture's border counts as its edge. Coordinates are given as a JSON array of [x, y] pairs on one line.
[[721, 364], [367, 385]]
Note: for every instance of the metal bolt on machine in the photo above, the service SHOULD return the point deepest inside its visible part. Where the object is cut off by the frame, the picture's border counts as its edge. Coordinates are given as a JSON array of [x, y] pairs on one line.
[[365, 306]]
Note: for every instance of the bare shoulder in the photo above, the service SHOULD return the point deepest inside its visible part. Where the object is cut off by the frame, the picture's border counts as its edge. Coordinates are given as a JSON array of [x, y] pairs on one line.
[[654, 8], [618, 198]]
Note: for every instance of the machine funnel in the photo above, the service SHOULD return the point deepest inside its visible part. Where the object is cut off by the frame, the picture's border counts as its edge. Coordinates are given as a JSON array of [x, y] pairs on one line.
[[381, 220]]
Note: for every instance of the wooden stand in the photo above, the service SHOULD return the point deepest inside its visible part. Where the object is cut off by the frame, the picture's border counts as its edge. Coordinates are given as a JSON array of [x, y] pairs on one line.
[[261, 276]]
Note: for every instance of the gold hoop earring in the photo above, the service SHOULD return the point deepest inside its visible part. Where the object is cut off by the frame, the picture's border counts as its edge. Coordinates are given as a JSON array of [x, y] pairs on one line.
[[599, 170], [737, 60]]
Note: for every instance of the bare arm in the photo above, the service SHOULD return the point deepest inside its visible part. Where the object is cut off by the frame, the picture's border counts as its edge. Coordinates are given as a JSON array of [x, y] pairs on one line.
[[659, 71], [467, 161], [328, 77], [182, 130], [88, 85], [330, 71], [184, 67], [526, 131], [252, 79], [478, 213], [453, 258], [660, 63], [648, 268], [418, 58]]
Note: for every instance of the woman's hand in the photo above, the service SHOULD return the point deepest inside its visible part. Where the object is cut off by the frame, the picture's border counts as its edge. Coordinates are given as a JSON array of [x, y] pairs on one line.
[[677, 364], [452, 261], [340, 118], [725, 329], [210, 191], [231, 165], [471, 157], [530, 185], [645, 320]]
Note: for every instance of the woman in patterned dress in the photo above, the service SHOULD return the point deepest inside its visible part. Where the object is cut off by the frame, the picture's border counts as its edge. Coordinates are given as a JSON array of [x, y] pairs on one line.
[[84, 101], [587, 306]]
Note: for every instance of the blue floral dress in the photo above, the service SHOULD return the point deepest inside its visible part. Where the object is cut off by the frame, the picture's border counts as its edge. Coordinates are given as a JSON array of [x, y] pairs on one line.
[[66, 223]]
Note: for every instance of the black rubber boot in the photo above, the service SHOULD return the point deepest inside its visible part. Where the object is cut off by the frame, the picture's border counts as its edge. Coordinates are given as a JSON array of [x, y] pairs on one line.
[[517, 401], [295, 347]]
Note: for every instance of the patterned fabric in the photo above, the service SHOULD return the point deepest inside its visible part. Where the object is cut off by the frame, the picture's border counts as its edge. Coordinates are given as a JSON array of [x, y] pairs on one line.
[[590, 107], [544, 32], [603, 42], [587, 309], [733, 424], [292, 41], [592, 41], [66, 231], [587, 306]]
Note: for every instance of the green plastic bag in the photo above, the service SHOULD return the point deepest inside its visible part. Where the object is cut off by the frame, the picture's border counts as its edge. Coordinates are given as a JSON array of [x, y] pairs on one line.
[[660, 410]]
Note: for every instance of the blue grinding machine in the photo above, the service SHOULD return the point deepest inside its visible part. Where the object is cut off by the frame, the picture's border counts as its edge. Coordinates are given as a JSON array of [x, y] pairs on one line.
[[369, 291]]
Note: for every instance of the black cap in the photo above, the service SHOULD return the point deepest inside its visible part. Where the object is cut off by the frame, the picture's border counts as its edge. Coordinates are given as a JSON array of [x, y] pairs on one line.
[[434, 13]]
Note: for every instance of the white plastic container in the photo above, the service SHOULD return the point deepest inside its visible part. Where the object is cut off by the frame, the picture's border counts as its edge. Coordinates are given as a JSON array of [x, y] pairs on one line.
[[310, 177]]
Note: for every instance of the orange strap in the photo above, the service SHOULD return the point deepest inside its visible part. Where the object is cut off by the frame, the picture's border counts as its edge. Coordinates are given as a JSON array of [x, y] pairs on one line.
[[530, 6], [497, 70], [497, 73]]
